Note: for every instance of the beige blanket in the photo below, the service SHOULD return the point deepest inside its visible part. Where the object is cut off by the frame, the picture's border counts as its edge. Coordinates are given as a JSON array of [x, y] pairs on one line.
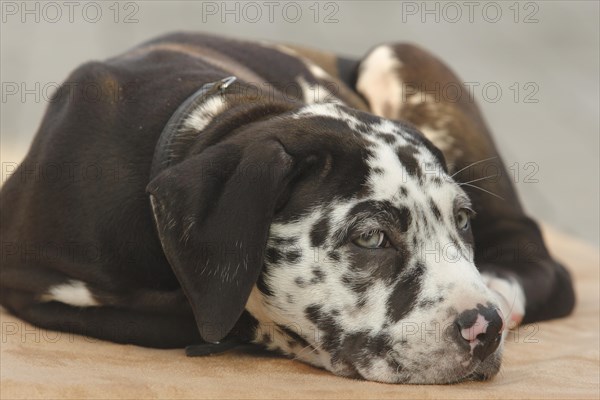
[[557, 359]]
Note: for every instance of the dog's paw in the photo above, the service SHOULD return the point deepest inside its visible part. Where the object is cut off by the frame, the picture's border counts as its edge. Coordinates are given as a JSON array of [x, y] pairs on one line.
[[511, 298]]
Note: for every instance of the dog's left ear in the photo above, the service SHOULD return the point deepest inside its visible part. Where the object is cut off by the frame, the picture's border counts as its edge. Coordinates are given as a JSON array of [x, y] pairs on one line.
[[213, 212]]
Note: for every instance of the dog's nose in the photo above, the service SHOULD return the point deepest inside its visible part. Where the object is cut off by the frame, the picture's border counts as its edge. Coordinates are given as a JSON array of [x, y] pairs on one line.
[[482, 328]]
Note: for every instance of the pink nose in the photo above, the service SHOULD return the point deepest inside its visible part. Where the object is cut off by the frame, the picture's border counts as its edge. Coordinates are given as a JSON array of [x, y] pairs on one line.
[[478, 328]]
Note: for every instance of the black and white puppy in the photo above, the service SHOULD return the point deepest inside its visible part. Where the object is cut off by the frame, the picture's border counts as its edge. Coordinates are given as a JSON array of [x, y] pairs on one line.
[[316, 205]]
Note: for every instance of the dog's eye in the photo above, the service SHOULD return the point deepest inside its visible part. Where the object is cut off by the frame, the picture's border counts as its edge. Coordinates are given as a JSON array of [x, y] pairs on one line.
[[463, 218], [372, 240]]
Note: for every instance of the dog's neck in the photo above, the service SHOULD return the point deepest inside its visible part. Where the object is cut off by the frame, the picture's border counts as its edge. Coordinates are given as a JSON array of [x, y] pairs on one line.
[[215, 110], [172, 132]]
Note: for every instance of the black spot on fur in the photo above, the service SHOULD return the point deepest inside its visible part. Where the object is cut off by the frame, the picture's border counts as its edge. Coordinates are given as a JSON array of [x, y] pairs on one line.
[[437, 180], [360, 348], [299, 339], [423, 220], [361, 302], [420, 139], [403, 191], [262, 285], [404, 296], [427, 303], [435, 210], [334, 256], [272, 255], [377, 170], [300, 282], [284, 241], [292, 256], [318, 276], [406, 155], [319, 232], [404, 218], [327, 324], [388, 138]]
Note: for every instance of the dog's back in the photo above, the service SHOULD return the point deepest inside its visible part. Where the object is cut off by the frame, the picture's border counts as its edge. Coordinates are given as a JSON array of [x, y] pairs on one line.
[[76, 207]]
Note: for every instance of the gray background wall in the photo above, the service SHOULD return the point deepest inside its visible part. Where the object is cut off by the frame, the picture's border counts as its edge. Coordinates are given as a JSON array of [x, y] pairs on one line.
[[550, 49]]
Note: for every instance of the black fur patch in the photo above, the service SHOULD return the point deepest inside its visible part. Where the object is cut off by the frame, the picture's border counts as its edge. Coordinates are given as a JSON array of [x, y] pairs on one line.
[[404, 218], [299, 339], [319, 232], [334, 256], [435, 210], [404, 296], [300, 282], [430, 302], [292, 256], [273, 255], [406, 155], [284, 241], [318, 276], [262, 285], [360, 348], [388, 138], [420, 139], [327, 324]]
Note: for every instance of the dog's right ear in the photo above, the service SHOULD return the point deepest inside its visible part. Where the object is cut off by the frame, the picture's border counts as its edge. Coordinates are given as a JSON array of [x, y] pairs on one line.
[[213, 212]]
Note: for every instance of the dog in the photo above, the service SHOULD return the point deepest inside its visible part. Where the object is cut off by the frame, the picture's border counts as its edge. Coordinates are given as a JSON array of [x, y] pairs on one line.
[[200, 190]]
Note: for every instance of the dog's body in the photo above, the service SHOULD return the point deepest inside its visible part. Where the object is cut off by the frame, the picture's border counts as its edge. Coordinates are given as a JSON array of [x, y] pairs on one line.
[[281, 211]]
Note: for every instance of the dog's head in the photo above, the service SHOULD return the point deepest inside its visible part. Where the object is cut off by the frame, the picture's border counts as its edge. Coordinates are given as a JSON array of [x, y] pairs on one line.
[[339, 232]]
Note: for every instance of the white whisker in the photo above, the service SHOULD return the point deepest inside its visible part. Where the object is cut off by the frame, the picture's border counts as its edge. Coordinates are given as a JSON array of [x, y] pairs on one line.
[[472, 164], [479, 179], [483, 190]]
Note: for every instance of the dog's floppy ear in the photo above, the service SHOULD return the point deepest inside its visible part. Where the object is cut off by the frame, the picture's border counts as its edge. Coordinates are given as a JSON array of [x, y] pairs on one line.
[[213, 212]]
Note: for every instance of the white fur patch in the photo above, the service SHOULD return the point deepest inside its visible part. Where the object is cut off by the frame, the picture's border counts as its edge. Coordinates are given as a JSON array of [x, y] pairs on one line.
[[317, 71], [201, 117], [379, 82], [439, 137], [315, 93], [328, 110], [74, 293]]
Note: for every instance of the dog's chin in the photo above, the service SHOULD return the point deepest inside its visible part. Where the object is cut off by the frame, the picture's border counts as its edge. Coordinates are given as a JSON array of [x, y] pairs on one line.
[[487, 369], [477, 371]]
